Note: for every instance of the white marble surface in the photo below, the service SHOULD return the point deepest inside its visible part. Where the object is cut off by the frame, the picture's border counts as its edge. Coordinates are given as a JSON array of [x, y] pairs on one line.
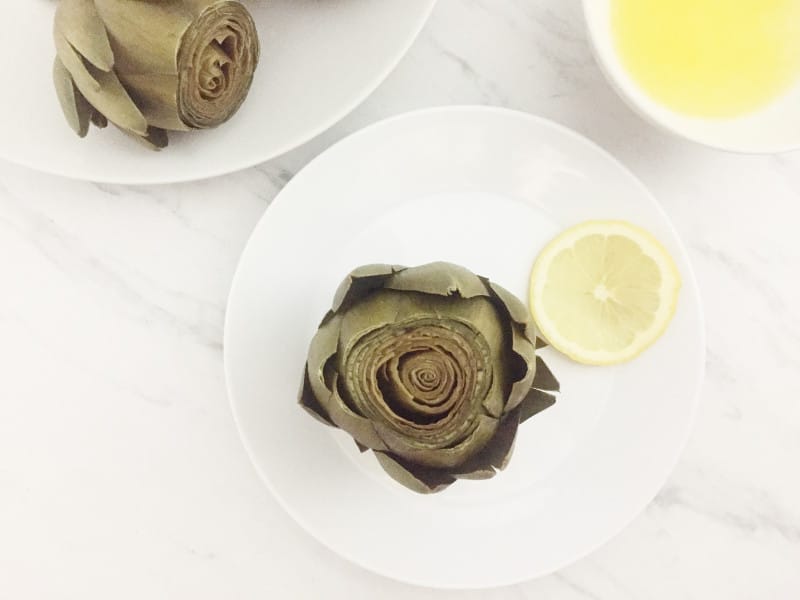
[[121, 473]]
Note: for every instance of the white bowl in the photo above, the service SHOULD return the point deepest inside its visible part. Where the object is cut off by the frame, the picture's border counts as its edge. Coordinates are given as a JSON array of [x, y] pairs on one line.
[[773, 129]]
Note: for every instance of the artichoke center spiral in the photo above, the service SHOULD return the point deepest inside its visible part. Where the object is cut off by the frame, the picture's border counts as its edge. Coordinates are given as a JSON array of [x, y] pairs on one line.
[[426, 375], [422, 379], [216, 64], [215, 68], [416, 386]]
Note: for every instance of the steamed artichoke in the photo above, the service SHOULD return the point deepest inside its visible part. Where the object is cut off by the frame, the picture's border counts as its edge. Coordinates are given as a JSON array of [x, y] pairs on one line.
[[432, 368], [149, 66]]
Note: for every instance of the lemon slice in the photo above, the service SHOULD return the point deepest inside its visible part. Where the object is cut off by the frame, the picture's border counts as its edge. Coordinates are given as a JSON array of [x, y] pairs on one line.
[[603, 291]]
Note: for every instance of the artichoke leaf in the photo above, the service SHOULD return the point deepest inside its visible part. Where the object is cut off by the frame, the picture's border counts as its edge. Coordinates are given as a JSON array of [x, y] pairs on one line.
[[524, 349], [479, 472], [74, 63], [156, 138], [360, 428], [544, 379], [153, 139], [146, 34], [500, 392], [155, 95], [377, 310], [439, 278], [524, 341], [391, 307], [440, 458], [515, 309], [99, 120], [361, 282], [81, 26], [322, 349], [496, 454], [308, 400], [417, 478], [111, 99], [76, 109], [534, 403], [495, 400]]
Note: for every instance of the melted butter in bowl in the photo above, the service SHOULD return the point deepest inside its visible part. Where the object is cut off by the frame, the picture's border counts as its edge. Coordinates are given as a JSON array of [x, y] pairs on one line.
[[723, 73], [710, 58]]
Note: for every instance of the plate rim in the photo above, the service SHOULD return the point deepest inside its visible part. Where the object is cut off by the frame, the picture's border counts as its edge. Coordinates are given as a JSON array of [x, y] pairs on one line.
[[299, 140], [690, 283]]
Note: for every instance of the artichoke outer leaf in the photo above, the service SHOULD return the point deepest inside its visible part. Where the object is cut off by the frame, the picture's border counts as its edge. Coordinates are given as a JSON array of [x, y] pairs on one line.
[[360, 428], [439, 278], [327, 318], [154, 139], [112, 99], [544, 379], [132, 23], [308, 400], [534, 403], [496, 454], [81, 25], [479, 473], [361, 447], [420, 479], [514, 308], [525, 351], [381, 307], [76, 109], [495, 400], [361, 282], [99, 120], [155, 95], [440, 458], [75, 64], [388, 307], [322, 349]]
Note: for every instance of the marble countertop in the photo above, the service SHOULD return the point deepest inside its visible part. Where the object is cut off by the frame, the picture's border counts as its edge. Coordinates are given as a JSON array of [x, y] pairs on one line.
[[121, 471]]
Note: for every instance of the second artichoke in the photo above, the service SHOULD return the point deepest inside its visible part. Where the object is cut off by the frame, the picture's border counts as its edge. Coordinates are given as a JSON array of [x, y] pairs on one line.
[[151, 66]]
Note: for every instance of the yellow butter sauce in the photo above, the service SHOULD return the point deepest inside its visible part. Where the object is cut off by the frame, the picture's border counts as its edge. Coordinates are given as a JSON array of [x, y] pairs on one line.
[[710, 58]]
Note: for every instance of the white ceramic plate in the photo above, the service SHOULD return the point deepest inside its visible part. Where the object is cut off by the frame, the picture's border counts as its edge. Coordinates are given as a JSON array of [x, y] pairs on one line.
[[486, 188], [319, 60]]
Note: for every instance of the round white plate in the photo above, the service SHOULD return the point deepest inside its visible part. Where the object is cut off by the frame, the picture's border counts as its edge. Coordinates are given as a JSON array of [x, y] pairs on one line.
[[319, 60], [485, 188]]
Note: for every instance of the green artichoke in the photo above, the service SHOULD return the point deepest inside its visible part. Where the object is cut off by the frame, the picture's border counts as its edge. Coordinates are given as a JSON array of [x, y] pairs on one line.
[[148, 66], [432, 368]]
